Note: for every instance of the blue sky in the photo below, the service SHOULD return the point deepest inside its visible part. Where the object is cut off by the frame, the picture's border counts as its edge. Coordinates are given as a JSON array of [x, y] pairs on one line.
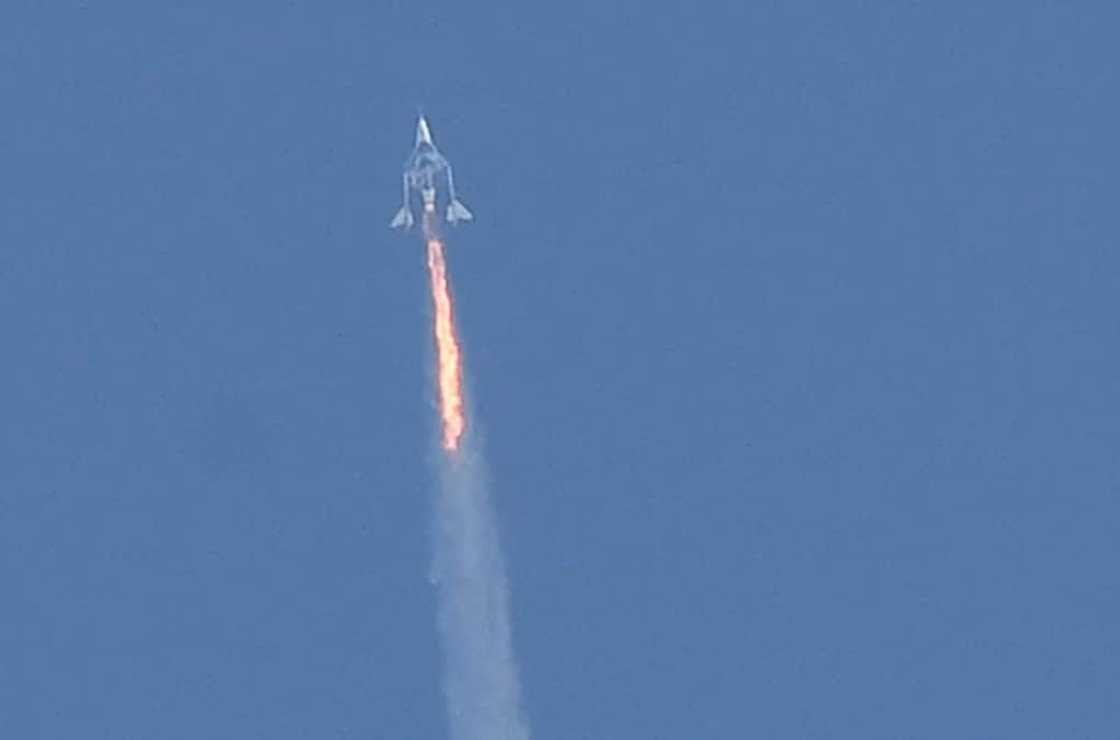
[[790, 328]]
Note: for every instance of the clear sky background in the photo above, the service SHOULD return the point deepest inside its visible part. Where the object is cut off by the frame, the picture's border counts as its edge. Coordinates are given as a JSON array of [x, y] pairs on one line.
[[791, 328]]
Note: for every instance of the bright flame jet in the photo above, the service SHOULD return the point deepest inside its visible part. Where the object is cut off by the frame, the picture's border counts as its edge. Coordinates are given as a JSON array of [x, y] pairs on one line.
[[425, 172], [448, 354]]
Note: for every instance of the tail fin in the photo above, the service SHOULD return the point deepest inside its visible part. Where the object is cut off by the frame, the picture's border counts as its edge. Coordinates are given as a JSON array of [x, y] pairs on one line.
[[458, 212], [403, 219]]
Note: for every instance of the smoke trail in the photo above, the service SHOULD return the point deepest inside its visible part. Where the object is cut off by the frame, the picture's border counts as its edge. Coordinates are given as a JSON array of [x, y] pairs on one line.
[[480, 682], [480, 673]]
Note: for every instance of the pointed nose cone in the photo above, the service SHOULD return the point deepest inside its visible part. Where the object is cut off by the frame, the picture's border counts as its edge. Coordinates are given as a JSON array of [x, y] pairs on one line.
[[423, 135]]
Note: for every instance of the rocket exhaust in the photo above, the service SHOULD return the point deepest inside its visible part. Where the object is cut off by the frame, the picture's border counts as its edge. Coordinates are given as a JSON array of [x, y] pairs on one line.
[[449, 367], [481, 683]]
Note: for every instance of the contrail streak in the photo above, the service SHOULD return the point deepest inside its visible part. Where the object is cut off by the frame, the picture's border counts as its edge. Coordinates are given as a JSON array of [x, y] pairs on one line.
[[480, 680]]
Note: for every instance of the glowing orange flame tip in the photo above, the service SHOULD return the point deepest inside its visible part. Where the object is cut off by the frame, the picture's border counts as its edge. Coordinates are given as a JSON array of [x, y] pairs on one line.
[[448, 354]]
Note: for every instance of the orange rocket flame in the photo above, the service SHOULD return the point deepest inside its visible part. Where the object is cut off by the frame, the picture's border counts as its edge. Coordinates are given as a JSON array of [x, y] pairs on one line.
[[448, 355]]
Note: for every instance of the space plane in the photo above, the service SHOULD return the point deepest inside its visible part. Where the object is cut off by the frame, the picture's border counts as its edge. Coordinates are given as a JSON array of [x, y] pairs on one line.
[[427, 172]]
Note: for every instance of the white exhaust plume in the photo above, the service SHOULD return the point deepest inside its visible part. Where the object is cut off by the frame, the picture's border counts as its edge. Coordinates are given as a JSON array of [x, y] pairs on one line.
[[480, 683]]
